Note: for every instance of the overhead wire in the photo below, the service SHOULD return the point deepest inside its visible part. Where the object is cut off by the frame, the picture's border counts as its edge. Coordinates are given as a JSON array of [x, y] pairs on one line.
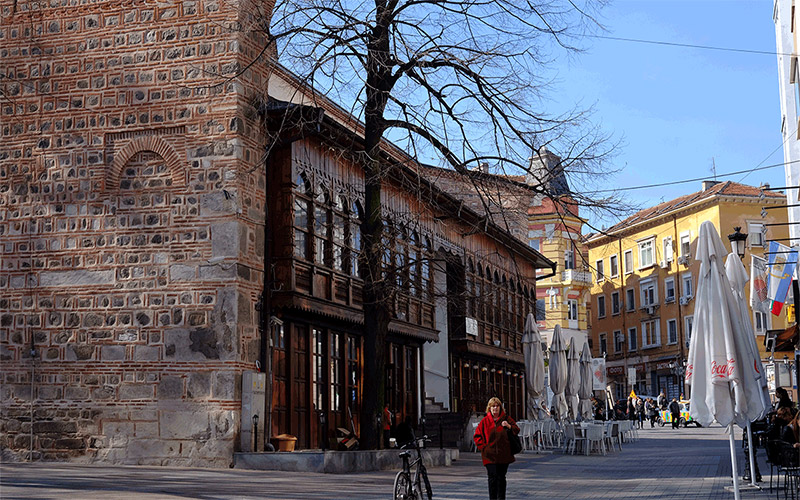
[[688, 45]]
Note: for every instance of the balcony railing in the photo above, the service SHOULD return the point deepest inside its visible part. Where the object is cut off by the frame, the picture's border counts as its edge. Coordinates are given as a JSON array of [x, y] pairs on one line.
[[576, 276]]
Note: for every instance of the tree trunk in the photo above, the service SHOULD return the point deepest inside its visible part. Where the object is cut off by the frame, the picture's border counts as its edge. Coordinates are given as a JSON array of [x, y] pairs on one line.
[[376, 279]]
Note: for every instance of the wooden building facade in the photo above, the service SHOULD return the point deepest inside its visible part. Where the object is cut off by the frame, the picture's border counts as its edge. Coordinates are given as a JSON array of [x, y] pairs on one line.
[[445, 266]]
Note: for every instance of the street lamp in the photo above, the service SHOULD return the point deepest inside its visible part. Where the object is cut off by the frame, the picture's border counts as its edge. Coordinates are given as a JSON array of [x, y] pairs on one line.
[[738, 241], [678, 368]]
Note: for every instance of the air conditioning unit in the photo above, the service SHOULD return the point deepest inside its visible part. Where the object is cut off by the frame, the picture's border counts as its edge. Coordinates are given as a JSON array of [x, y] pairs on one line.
[[650, 310], [685, 300], [663, 264], [683, 260]]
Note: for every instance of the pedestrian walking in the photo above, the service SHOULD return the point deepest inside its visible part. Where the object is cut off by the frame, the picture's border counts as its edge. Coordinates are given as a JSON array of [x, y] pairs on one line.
[[631, 408], [652, 411], [491, 438], [640, 412], [675, 411], [662, 400]]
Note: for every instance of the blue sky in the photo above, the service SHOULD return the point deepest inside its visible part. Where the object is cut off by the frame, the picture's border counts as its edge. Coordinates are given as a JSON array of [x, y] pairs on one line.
[[677, 108]]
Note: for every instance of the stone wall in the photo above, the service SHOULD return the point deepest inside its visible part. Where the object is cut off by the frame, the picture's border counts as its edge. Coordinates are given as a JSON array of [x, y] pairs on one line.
[[131, 228]]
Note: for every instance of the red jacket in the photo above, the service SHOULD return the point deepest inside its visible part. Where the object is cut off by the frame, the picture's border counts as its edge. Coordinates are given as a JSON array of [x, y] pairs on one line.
[[491, 439]]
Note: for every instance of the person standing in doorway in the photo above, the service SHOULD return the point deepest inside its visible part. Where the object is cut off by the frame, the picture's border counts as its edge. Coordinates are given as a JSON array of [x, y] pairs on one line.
[[491, 438], [675, 411]]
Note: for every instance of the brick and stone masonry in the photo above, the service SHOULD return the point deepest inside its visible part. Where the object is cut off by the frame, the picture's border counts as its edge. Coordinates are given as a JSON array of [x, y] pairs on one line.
[[130, 157]]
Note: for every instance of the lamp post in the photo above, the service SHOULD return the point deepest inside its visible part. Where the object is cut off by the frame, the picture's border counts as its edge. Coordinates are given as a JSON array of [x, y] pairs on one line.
[[605, 391], [738, 241], [678, 368]]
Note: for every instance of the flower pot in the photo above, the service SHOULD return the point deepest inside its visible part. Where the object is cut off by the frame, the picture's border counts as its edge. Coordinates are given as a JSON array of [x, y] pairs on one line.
[[285, 442]]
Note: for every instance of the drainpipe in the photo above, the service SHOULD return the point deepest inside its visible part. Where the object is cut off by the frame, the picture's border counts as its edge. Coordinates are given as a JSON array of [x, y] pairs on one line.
[[679, 286], [626, 346]]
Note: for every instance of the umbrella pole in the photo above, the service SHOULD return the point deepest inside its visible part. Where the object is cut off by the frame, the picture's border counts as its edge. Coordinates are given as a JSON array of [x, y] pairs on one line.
[[733, 464], [751, 455]]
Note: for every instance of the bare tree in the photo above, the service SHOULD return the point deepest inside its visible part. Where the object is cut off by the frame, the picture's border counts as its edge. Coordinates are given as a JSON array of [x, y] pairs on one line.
[[458, 80]]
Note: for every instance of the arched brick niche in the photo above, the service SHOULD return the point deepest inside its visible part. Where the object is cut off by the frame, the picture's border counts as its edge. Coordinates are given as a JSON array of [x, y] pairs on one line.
[[131, 154]]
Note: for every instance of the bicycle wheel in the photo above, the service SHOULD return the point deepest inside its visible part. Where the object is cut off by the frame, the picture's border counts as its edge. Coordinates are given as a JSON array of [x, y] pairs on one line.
[[427, 484], [403, 490]]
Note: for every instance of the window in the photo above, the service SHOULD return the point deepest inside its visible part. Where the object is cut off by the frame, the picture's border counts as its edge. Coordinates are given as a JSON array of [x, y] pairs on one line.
[[540, 310], [601, 306], [302, 202], [354, 237], [755, 234], [669, 290], [686, 242], [630, 299], [686, 284], [632, 340], [322, 239], [534, 244], [340, 227], [760, 322], [628, 257], [615, 305], [646, 253], [649, 293], [651, 334], [569, 259], [613, 266], [667, 245], [619, 340], [600, 272], [672, 331], [572, 309], [688, 322], [603, 343]]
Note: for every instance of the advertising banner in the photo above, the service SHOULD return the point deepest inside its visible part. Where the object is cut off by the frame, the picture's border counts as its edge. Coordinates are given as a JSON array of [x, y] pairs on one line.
[[598, 374], [759, 275]]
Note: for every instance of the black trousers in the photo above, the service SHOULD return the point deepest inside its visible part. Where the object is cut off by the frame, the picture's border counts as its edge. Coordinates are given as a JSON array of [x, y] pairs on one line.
[[676, 421], [497, 480]]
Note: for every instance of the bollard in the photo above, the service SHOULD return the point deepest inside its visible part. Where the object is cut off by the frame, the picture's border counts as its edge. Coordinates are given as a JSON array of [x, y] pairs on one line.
[[324, 430], [255, 433]]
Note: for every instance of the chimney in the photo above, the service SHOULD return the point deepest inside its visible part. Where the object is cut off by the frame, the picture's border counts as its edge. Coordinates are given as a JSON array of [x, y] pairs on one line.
[[764, 186], [709, 184]]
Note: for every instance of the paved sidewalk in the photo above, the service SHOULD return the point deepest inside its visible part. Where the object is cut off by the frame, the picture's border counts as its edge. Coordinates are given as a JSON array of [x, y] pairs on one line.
[[667, 464]]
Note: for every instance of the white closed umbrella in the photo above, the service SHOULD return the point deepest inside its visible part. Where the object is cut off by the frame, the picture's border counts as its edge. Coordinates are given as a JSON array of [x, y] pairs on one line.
[[573, 379], [714, 368], [585, 391], [558, 372], [753, 378], [534, 365]]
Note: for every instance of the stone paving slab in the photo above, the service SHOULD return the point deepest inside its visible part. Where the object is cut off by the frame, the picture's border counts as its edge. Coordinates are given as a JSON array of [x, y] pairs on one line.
[[664, 464]]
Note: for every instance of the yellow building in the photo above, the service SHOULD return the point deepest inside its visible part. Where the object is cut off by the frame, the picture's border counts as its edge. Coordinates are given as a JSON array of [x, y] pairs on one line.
[[645, 275], [554, 229]]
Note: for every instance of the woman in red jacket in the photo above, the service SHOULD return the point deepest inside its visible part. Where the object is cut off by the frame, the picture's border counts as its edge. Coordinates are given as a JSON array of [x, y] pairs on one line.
[[491, 438]]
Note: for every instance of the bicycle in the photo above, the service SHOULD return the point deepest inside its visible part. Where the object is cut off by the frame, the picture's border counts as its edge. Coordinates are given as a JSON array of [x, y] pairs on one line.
[[408, 483]]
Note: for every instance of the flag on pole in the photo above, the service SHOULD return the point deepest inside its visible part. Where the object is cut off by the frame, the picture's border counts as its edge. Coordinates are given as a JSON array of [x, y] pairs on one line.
[[758, 284], [782, 261]]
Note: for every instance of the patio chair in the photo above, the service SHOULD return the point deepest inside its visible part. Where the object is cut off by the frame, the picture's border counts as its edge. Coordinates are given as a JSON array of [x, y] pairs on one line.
[[595, 438], [572, 439], [473, 447], [547, 433], [613, 437], [783, 459]]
